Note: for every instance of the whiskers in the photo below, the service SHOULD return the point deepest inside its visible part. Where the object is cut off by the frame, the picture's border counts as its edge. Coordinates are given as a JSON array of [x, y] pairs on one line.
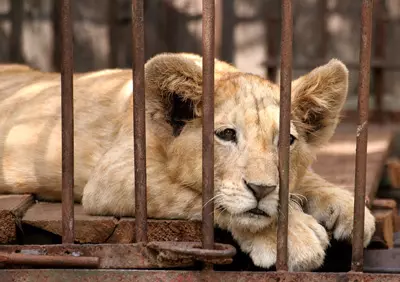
[[298, 198], [216, 197], [296, 202]]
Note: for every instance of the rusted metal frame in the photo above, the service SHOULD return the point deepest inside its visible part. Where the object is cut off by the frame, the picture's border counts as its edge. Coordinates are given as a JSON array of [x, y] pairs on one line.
[[58, 275], [45, 260], [139, 121], [67, 123], [379, 53], [154, 254], [362, 135], [220, 254], [208, 43], [17, 18], [284, 131]]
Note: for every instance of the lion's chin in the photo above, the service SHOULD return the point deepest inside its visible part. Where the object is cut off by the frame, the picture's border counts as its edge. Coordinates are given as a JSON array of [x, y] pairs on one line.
[[252, 222]]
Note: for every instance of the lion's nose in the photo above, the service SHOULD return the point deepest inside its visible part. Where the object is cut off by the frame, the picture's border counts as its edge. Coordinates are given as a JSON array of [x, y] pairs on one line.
[[260, 190]]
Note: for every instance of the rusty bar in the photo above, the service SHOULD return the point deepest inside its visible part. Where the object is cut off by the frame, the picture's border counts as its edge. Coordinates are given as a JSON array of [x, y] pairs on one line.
[[139, 121], [379, 53], [66, 275], [208, 38], [17, 18], [115, 256], [67, 121], [362, 135], [284, 131], [221, 254], [46, 260]]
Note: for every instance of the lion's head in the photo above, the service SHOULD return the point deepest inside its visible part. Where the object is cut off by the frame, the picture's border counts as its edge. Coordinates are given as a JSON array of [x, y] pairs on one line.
[[246, 129]]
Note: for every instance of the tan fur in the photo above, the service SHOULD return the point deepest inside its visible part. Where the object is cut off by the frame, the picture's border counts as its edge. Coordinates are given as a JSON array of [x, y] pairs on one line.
[[30, 152]]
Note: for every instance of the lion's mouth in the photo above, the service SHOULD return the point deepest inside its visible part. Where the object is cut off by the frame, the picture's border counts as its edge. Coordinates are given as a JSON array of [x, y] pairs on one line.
[[257, 211]]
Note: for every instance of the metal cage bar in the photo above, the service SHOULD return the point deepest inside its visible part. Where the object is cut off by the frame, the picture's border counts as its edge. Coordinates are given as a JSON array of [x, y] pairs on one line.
[[208, 41], [362, 136], [139, 121], [284, 131], [67, 123], [138, 75]]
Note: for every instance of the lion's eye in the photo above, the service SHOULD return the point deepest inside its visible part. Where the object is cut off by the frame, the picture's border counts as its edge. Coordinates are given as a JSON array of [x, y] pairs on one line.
[[228, 134], [292, 139]]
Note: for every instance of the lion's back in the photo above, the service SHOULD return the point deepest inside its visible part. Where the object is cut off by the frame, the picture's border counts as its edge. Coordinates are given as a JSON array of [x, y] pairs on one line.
[[30, 125]]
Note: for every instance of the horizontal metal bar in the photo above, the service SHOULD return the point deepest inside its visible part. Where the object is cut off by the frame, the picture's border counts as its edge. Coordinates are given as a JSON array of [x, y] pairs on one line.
[[219, 254], [59, 275], [49, 260], [118, 256]]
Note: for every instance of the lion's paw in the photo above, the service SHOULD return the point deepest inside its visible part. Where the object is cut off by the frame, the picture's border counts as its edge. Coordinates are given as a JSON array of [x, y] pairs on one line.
[[342, 224], [307, 242]]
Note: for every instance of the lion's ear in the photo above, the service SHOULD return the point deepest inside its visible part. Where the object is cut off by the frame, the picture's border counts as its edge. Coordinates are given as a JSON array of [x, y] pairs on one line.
[[318, 98], [173, 88]]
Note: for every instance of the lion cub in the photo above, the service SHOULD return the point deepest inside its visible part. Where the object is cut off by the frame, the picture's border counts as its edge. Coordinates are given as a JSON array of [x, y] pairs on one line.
[[246, 149]]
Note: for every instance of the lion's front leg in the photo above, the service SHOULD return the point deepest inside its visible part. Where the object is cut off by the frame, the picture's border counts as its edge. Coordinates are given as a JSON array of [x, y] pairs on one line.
[[333, 207], [307, 242]]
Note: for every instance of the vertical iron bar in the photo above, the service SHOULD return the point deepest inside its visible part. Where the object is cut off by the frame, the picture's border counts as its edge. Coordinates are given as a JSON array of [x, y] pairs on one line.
[[379, 54], [67, 123], [284, 131], [362, 135], [139, 122], [208, 23]]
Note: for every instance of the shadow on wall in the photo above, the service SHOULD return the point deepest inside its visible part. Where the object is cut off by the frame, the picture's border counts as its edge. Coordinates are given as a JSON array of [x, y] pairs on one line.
[[167, 29], [4, 50]]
